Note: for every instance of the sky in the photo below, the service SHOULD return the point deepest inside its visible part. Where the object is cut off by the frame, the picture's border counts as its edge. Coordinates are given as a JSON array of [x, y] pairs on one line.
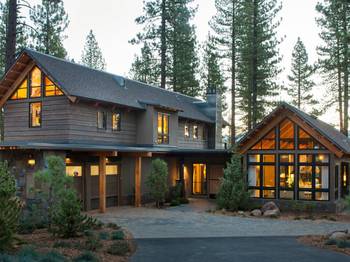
[[113, 22]]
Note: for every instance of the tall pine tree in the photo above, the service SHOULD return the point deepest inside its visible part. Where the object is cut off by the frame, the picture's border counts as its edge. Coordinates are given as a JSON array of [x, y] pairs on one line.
[[225, 25], [259, 58], [92, 54], [334, 62], [50, 20], [300, 76]]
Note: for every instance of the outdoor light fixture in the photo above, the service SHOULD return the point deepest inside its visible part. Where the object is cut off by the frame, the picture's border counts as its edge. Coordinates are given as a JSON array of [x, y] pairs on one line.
[[31, 161], [68, 160]]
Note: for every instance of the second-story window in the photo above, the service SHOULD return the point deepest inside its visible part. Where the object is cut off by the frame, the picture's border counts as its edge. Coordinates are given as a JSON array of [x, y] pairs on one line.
[[187, 131], [35, 83], [116, 124], [101, 120], [163, 128], [35, 114], [195, 132]]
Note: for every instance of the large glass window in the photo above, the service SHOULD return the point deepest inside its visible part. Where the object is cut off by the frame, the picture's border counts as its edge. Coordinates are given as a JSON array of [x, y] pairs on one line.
[[195, 132], [306, 141], [35, 114], [262, 175], [286, 135], [163, 128], [286, 176], [267, 143], [101, 120], [50, 88], [21, 92], [35, 83], [75, 171], [187, 131]]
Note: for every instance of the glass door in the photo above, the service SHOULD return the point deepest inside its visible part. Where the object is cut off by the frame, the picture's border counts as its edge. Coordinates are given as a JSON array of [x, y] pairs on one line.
[[199, 179], [345, 179]]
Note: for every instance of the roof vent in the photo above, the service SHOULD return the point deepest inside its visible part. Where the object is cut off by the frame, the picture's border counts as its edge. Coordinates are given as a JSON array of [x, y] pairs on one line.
[[120, 81]]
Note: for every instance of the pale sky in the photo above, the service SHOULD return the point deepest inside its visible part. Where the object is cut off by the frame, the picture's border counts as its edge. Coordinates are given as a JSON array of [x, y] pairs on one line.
[[113, 24]]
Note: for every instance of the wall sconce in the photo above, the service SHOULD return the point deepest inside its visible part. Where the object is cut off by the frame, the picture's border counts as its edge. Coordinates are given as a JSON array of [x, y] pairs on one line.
[[68, 160], [31, 161]]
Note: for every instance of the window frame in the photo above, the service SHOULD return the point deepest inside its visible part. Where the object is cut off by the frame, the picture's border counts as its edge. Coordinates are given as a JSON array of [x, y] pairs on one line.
[[195, 132], [279, 139], [275, 130], [119, 126], [104, 120], [186, 125], [56, 88], [286, 164], [30, 114], [162, 135]]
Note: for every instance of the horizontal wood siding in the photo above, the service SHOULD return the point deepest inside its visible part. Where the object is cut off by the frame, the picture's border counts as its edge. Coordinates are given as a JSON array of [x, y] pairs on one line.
[[55, 120], [190, 142], [83, 125]]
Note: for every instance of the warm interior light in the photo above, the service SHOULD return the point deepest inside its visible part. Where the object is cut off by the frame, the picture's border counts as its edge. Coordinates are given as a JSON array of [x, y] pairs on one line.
[[68, 160], [31, 162]]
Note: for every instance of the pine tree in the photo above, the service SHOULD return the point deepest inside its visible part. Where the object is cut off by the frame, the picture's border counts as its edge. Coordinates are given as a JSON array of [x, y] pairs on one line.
[[226, 24], [92, 54], [50, 21], [334, 21], [258, 58], [145, 67], [301, 83]]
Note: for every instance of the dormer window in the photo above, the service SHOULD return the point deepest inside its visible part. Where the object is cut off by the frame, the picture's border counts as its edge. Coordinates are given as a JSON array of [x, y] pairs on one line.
[[163, 128], [195, 132], [187, 131]]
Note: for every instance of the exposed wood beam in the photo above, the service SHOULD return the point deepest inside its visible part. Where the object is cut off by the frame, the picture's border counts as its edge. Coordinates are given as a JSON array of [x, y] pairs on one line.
[[138, 166], [102, 185]]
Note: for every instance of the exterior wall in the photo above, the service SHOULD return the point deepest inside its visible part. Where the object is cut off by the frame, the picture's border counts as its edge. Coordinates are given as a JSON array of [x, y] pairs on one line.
[[55, 120], [145, 119], [190, 142]]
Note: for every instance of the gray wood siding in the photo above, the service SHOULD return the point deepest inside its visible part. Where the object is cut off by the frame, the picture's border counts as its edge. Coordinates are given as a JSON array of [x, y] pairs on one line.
[[55, 120], [190, 142], [83, 125]]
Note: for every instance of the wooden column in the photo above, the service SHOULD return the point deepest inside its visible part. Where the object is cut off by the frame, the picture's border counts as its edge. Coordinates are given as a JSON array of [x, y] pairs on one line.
[[138, 181], [102, 178]]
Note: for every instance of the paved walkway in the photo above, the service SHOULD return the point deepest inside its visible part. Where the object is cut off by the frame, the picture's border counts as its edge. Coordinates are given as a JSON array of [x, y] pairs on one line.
[[192, 221]]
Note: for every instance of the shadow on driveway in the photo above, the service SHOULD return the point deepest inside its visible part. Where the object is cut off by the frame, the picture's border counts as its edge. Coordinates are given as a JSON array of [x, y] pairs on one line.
[[240, 249]]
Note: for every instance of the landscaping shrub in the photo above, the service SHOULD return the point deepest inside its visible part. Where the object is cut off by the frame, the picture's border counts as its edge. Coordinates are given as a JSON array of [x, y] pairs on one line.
[[86, 256], [117, 235], [175, 192], [32, 218], [103, 235], [174, 203], [343, 244], [113, 226], [233, 194], [157, 181], [92, 244], [89, 233], [10, 207], [118, 248]]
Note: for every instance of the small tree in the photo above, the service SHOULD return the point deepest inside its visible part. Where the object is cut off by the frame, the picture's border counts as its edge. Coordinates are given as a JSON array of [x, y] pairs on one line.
[[233, 192], [10, 207], [158, 180]]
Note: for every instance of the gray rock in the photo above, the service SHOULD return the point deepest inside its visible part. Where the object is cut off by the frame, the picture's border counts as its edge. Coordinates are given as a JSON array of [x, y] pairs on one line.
[[339, 235], [256, 213], [272, 213], [269, 206]]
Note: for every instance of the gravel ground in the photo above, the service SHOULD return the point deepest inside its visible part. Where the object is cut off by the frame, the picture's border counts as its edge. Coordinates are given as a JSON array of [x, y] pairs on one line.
[[191, 221]]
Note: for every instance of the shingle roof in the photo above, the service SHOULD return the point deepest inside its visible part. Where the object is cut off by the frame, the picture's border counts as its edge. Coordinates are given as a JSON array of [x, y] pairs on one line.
[[84, 82], [333, 135]]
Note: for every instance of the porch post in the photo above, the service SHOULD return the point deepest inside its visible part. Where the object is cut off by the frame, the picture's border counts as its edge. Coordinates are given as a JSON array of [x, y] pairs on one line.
[[102, 180], [138, 181]]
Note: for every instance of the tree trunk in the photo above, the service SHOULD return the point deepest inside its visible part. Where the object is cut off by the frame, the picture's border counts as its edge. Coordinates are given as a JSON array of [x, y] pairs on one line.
[[47, 42], [10, 53], [340, 91], [299, 85], [254, 65], [233, 76], [346, 70], [163, 47]]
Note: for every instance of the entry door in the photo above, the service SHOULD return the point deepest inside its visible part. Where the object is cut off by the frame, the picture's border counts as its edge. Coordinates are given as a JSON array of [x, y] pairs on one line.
[[199, 179], [345, 183]]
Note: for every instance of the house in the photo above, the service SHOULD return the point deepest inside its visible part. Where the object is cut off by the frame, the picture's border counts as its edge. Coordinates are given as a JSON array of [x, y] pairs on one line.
[[291, 155], [107, 129]]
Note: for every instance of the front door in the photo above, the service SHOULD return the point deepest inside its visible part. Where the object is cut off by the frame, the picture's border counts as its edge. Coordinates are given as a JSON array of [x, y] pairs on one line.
[[199, 179], [345, 183]]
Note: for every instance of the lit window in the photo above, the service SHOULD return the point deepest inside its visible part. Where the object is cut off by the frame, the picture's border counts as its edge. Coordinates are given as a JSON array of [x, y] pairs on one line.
[[35, 83], [94, 170], [112, 170], [74, 171], [195, 132], [163, 128], [187, 131], [101, 120], [35, 114], [307, 142], [51, 89], [21, 92], [116, 124], [268, 142], [287, 135]]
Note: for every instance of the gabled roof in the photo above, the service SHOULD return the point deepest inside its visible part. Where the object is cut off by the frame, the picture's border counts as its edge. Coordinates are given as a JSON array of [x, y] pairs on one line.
[[85, 83], [327, 131]]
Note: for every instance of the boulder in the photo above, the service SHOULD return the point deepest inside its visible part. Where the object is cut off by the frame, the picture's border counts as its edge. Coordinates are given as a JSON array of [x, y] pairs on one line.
[[256, 213], [269, 206], [340, 235], [272, 213]]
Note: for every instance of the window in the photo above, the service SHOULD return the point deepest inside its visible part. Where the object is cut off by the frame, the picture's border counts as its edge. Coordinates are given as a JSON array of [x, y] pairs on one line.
[[268, 142], [35, 83], [286, 135], [35, 114], [116, 122], [163, 128], [187, 131], [75, 171], [101, 120], [262, 175], [313, 177], [50, 88], [21, 92], [286, 176], [195, 132], [306, 141]]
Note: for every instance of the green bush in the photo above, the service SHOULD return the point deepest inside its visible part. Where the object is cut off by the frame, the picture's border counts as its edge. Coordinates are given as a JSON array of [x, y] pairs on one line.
[[86, 256], [157, 181], [92, 244], [113, 226], [175, 192], [32, 218], [343, 244], [174, 203], [117, 235], [89, 233], [184, 200], [118, 248], [10, 207], [233, 194], [104, 235]]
